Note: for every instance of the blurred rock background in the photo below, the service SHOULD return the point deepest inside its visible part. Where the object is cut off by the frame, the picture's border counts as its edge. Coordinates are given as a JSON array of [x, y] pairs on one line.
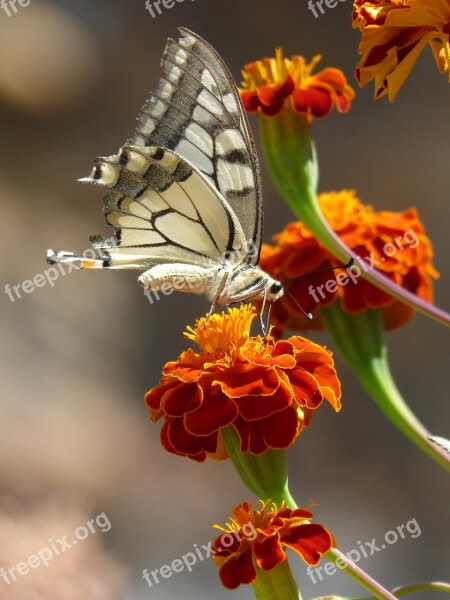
[[77, 357]]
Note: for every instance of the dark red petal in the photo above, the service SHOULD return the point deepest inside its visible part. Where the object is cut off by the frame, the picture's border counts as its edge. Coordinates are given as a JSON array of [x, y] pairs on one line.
[[269, 552], [165, 442], [273, 109], [185, 443], [257, 407], [250, 101], [243, 430], [182, 399], [312, 100], [310, 541], [280, 429], [223, 547], [215, 412], [274, 94], [283, 347], [237, 570], [248, 379], [277, 431], [306, 389], [154, 396]]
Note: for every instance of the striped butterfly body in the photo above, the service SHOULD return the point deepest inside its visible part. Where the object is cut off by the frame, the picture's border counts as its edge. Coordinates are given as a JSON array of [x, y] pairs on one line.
[[184, 193]]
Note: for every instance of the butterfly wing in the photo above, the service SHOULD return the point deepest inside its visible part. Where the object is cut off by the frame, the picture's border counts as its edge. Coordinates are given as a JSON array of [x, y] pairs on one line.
[[162, 210], [196, 111]]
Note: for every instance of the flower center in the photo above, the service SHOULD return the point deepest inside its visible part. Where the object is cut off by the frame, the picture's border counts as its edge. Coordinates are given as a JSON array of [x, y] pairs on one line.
[[222, 334]]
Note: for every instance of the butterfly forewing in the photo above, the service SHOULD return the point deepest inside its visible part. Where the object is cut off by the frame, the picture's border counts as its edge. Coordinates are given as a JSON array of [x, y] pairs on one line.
[[196, 111], [158, 204]]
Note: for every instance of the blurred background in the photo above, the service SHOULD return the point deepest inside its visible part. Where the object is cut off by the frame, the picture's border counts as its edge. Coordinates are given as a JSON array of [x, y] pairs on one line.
[[78, 356]]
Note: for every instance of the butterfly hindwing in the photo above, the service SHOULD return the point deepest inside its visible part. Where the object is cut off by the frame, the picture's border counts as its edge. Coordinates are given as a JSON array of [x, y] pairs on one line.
[[163, 210], [196, 111]]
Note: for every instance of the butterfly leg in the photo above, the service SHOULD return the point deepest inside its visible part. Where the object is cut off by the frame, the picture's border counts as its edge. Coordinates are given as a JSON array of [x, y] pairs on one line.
[[216, 298], [218, 294], [264, 326]]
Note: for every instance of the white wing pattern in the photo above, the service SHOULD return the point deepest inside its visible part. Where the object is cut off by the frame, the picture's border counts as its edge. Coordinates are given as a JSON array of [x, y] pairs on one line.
[[157, 205]]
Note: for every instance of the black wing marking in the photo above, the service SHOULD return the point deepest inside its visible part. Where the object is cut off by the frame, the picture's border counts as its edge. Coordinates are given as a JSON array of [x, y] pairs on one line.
[[163, 209]]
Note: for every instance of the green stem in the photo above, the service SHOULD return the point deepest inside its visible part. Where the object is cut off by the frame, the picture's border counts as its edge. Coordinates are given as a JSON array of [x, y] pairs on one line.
[[265, 475], [349, 567], [276, 584], [439, 586], [360, 341]]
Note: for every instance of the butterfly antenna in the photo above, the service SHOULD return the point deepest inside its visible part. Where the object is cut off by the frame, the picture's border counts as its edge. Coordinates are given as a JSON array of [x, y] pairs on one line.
[[348, 265], [307, 314]]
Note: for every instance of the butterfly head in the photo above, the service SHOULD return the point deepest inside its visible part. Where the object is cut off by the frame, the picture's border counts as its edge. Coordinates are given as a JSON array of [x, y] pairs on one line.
[[274, 290]]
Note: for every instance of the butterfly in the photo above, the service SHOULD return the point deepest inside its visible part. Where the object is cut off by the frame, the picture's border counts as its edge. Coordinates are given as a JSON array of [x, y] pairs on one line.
[[184, 193]]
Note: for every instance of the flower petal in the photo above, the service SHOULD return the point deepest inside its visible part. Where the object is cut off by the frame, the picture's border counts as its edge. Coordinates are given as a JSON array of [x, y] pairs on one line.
[[247, 379], [269, 552], [217, 411], [311, 541], [182, 399], [312, 100], [183, 442], [252, 408], [274, 94], [238, 569]]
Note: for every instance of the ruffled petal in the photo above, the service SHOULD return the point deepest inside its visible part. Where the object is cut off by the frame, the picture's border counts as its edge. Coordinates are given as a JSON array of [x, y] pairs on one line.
[[311, 541], [238, 570]]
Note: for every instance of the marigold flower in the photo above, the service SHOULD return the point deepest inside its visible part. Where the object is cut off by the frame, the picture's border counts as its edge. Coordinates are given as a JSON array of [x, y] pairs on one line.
[[266, 390], [275, 83], [394, 243], [262, 536], [394, 33]]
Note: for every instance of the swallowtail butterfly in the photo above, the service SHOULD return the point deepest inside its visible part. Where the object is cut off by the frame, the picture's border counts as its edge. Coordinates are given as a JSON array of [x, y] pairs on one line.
[[184, 193]]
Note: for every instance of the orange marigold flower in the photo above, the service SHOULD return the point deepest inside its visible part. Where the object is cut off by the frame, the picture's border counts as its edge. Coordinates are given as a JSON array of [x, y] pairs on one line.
[[394, 243], [394, 33], [262, 536], [266, 390], [275, 83]]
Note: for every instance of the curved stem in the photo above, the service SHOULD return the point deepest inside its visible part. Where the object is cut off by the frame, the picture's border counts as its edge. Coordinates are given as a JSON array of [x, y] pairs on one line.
[[349, 567], [439, 586], [360, 341]]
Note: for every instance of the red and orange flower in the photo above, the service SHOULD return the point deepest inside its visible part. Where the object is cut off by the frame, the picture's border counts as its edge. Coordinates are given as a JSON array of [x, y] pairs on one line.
[[261, 537], [275, 83], [394, 243], [394, 33], [267, 390]]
